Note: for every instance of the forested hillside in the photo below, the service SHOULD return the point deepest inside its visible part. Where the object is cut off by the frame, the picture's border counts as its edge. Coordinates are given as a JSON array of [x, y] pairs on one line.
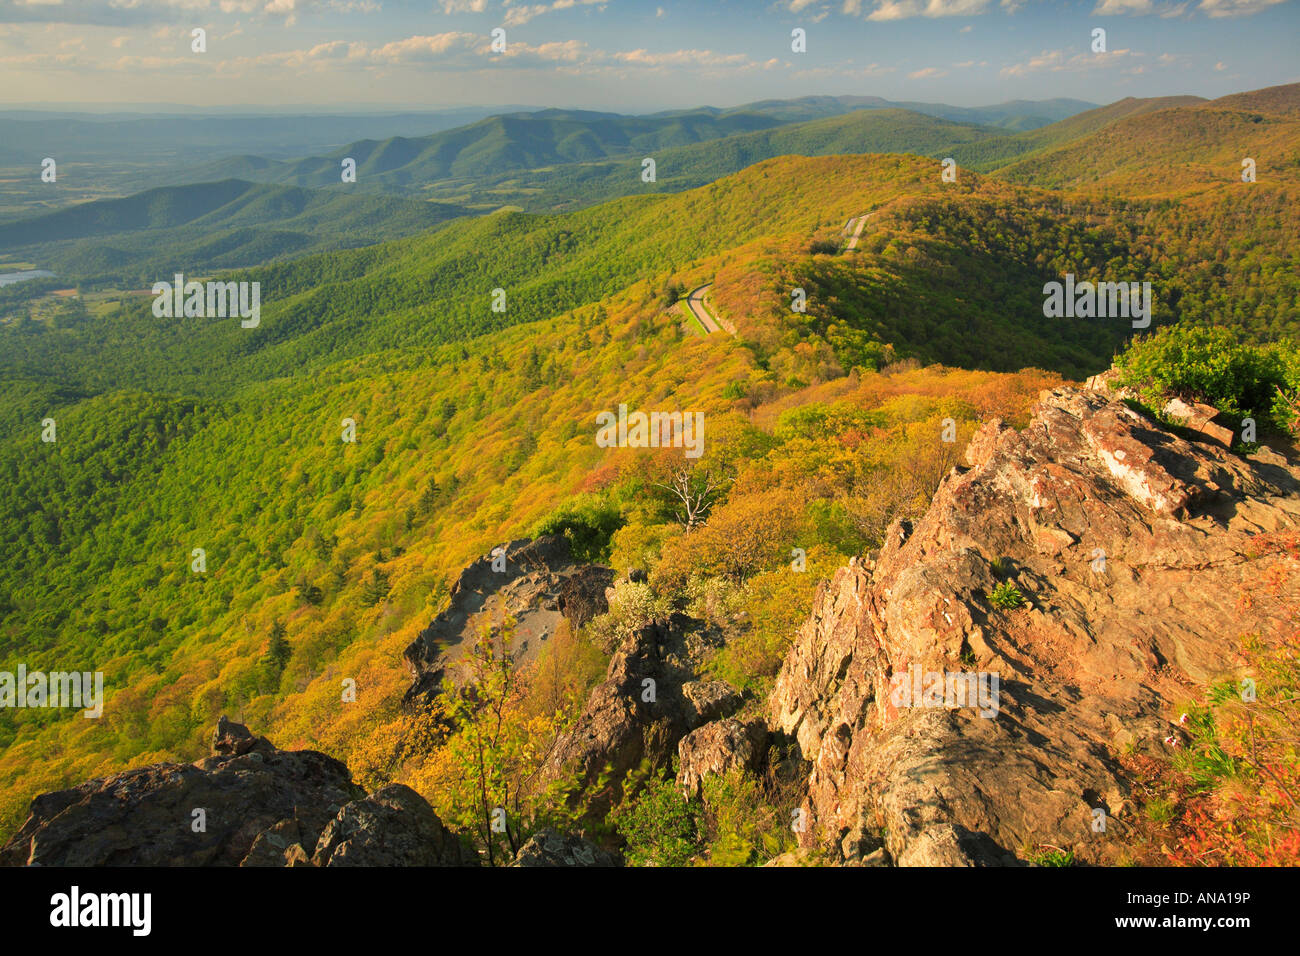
[[219, 225]]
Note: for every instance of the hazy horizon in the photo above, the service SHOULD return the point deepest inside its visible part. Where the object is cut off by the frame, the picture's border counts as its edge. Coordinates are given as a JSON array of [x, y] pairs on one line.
[[628, 56]]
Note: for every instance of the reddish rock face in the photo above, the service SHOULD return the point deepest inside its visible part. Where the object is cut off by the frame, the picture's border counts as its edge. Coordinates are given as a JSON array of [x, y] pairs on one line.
[[1132, 550], [718, 747]]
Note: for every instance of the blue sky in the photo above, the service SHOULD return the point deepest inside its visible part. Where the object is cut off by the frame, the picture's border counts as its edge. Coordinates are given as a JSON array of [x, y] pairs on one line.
[[635, 56]]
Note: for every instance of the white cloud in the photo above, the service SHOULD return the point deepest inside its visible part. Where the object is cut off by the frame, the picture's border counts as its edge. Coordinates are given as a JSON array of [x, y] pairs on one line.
[[517, 16], [904, 9], [1138, 8], [1236, 8], [125, 13], [460, 50], [702, 58], [927, 73], [1114, 8], [518, 13], [1055, 61], [860, 73]]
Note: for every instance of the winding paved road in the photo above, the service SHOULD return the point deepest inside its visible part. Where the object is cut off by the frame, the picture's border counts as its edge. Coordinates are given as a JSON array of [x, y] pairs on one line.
[[695, 302], [853, 243]]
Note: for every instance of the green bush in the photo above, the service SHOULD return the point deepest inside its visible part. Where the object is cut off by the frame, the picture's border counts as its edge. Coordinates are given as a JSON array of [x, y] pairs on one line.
[[1210, 365], [660, 824], [588, 523], [743, 825]]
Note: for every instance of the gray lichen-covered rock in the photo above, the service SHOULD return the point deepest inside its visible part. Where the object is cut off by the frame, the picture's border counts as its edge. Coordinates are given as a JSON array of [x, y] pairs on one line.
[[536, 584], [275, 845], [551, 848], [234, 740], [173, 814], [394, 826]]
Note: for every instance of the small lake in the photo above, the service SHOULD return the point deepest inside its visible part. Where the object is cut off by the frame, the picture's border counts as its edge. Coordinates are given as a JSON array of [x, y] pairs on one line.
[[9, 278]]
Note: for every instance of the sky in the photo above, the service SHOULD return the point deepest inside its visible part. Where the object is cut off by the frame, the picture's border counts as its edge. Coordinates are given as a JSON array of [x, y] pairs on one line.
[[632, 56]]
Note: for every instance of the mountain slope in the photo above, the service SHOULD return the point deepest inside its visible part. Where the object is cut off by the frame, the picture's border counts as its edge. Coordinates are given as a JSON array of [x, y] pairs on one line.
[[995, 153], [1170, 150], [685, 167], [1283, 100], [498, 144], [211, 225], [326, 557], [528, 141]]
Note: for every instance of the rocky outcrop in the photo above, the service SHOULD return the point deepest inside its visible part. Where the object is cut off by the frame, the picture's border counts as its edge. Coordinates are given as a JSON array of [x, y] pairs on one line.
[[1132, 549], [175, 814], [649, 700], [551, 848], [536, 583], [394, 826], [717, 748], [248, 804]]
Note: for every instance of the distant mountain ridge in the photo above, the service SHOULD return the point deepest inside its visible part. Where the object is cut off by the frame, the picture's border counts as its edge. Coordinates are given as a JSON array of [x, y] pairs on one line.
[[518, 141], [560, 160]]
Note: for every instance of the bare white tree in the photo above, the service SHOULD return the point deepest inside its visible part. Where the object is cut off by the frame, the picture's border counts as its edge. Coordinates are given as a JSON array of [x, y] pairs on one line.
[[697, 489]]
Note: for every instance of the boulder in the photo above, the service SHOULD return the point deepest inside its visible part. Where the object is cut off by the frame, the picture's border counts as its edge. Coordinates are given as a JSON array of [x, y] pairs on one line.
[[394, 826], [551, 848], [234, 740], [276, 845], [1199, 418], [648, 701], [717, 748]]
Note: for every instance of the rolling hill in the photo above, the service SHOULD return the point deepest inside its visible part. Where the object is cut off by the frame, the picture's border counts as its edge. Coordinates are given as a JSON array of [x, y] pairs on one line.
[[216, 225], [539, 162], [1166, 149], [529, 141]]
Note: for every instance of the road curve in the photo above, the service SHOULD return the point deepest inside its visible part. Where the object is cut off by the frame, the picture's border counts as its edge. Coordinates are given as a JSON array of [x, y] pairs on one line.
[[695, 302], [853, 243]]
